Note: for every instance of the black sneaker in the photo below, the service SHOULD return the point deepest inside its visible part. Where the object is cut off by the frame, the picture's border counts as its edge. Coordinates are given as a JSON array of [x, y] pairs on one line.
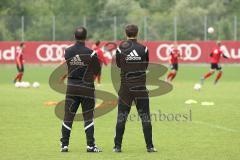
[[64, 149], [93, 149], [152, 149], [117, 149]]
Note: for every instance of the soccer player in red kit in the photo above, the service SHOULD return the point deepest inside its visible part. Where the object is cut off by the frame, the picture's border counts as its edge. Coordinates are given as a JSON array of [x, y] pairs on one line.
[[173, 60], [19, 63], [101, 58], [215, 56]]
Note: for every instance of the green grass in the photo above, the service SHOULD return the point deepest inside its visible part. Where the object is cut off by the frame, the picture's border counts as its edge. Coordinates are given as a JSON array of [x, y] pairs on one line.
[[30, 130]]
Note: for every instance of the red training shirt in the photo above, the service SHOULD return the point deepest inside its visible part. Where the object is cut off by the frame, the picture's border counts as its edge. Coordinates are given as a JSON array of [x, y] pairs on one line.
[[216, 55], [100, 54], [174, 55], [19, 58]]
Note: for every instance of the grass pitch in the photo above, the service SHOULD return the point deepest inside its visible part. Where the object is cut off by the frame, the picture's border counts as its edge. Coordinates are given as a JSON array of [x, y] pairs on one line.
[[30, 130]]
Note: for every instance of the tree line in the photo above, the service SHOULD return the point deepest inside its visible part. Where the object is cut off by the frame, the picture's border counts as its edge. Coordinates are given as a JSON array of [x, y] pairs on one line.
[[105, 19]]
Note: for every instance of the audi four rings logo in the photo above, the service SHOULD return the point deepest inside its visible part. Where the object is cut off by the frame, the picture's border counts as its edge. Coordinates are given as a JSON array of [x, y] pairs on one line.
[[191, 52], [53, 52]]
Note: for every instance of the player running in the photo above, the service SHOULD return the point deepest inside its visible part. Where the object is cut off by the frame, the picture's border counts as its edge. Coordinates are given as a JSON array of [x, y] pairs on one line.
[[101, 58], [19, 63], [173, 61], [215, 55], [132, 58], [82, 64]]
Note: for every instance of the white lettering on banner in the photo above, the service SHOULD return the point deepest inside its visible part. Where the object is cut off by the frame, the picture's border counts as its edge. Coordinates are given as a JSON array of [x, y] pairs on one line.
[[190, 52], [8, 54], [234, 53], [51, 52]]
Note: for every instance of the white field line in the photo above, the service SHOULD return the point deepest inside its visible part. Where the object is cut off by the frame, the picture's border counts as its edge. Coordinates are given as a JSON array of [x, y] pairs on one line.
[[216, 126], [212, 125]]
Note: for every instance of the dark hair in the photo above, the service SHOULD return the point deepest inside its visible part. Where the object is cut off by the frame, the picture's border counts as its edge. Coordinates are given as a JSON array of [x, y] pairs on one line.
[[21, 44], [80, 33], [131, 30], [219, 43], [97, 43]]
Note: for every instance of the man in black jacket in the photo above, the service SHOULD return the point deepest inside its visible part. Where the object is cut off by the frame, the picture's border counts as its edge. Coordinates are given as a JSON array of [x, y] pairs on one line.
[[82, 64], [132, 58]]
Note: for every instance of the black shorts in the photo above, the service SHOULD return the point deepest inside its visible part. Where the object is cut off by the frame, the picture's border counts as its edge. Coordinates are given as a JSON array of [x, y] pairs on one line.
[[20, 69], [215, 66], [174, 66]]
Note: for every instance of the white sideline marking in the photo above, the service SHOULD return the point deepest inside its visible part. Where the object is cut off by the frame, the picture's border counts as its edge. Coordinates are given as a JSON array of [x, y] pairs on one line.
[[212, 125], [215, 126]]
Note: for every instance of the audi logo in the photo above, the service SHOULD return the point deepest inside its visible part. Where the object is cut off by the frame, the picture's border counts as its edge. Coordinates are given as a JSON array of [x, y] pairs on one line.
[[53, 52], [191, 52]]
